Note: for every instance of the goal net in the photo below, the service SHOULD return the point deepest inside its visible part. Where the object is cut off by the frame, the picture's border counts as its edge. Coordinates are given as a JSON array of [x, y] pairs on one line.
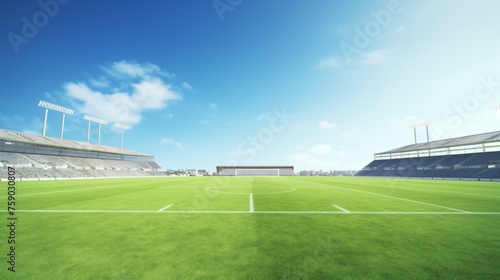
[[256, 172]]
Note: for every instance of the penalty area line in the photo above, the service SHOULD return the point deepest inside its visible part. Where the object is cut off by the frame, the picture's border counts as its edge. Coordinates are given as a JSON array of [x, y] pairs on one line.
[[402, 199], [165, 208], [341, 209]]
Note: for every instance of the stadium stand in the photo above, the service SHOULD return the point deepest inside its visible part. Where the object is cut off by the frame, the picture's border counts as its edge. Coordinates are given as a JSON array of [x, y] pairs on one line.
[[255, 171], [39, 157], [475, 157]]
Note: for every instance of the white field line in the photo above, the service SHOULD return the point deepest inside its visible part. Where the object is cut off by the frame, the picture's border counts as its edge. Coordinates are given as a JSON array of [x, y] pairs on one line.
[[70, 190], [341, 209], [433, 190], [256, 212], [460, 193], [93, 188], [403, 199], [251, 203], [165, 208]]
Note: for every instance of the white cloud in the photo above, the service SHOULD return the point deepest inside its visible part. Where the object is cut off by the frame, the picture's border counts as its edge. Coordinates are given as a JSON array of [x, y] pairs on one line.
[[171, 141], [204, 122], [212, 106], [187, 86], [321, 150], [374, 57], [326, 125], [150, 92], [101, 83], [133, 69], [330, 62], [166, 140]]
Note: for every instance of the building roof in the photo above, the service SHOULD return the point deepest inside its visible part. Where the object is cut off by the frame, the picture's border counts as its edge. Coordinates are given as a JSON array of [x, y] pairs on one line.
[[14, 136], [482, 138]]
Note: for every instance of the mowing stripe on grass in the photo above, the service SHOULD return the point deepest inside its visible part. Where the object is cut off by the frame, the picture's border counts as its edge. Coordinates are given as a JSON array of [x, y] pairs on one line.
[[256, 212], [340, 208], [403, 199], [251, 202], [165, 208]]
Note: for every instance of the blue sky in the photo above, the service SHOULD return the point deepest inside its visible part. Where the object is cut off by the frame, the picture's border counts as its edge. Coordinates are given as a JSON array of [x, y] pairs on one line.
[[318, 85]]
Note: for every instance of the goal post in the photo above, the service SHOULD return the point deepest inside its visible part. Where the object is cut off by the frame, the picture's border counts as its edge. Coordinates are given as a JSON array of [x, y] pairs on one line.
[[256, 170]]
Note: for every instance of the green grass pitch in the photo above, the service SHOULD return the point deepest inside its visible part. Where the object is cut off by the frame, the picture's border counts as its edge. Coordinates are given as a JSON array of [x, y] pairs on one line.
[[254, 228]]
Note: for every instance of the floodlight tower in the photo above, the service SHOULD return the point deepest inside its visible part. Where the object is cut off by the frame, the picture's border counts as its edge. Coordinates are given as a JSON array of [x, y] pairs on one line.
[[123, 127], [57, 108], [420, 124], [96, 120]]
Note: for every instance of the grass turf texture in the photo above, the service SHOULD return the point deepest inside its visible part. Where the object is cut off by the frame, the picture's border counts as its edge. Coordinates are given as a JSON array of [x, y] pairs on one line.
[[394, 229]]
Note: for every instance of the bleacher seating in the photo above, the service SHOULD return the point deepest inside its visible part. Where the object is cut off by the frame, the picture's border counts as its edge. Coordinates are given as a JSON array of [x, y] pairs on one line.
[[47, 166], [47, 160], [14, 159], [77, 162], [227, 172], [37, 156], [474, 165], [286, 172], [153, 165]]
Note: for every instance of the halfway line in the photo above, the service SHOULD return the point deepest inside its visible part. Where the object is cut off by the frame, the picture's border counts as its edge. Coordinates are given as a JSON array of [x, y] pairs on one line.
[[251, 202]]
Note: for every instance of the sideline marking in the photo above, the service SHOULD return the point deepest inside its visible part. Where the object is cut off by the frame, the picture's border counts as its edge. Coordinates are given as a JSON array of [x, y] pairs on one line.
[[165, 208], [82, 189], [404, 199], [256, 212], [251, 202], [71, 190], [341, 209]]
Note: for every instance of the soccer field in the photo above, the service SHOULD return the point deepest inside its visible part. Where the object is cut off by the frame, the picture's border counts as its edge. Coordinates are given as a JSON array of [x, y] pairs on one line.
[[254, 228]]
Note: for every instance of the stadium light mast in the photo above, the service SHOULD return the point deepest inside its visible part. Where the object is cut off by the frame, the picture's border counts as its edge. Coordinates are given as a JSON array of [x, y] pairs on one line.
[[420, 124], [61, 109], [95, 120], [123, 127]]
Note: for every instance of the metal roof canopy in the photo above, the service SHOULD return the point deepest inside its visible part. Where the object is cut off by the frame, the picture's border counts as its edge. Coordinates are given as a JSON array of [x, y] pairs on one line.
[[476, 139]]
